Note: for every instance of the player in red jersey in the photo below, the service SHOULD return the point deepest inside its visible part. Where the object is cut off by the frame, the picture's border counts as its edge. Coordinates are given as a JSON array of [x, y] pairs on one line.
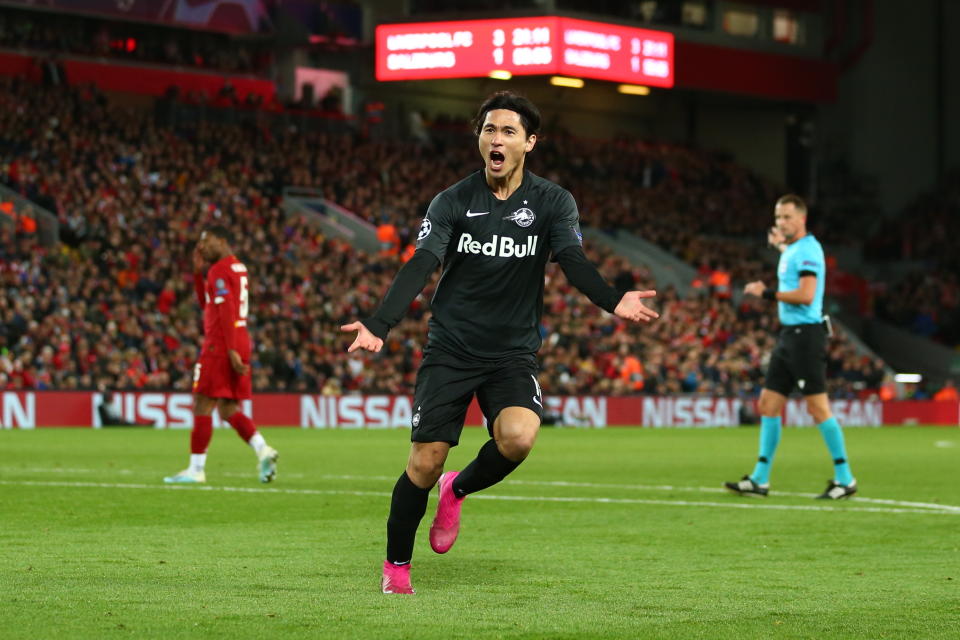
[[222, 378]]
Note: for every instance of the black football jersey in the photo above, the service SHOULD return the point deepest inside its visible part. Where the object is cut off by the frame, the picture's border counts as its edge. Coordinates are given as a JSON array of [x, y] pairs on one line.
[[489, 300]]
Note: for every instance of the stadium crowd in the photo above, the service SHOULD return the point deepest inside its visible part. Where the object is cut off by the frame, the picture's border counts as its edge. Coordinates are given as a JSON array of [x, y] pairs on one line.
[[927, 299], [113, 305]]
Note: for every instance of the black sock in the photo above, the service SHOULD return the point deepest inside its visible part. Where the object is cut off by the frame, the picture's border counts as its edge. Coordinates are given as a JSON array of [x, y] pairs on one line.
[[407, 507], [486, 470]]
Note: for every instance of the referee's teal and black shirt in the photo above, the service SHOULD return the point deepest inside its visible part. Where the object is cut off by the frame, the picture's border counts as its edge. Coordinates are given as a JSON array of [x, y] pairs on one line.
[[802, 258]]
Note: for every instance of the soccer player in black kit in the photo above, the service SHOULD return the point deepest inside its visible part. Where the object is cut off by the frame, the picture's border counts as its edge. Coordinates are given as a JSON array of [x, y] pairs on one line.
[[493, 232]]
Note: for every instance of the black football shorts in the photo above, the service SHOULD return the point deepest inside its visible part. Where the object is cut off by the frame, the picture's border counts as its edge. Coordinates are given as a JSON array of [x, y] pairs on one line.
[[799, 361], [446, 385]]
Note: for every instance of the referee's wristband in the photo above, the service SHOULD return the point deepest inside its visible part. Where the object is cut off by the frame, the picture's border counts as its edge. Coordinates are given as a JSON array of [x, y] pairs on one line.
[[769, 294]]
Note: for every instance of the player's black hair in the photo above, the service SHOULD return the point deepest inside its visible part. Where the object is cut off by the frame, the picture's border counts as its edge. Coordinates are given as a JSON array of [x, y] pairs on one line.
[[528, 112], [221, 232]]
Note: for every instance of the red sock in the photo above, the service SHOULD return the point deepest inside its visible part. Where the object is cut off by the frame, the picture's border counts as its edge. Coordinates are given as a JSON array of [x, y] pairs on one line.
[[201, 434], [243, 425]]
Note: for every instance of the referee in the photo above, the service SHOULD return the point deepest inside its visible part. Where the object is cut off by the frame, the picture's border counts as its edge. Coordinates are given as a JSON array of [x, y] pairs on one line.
[[493, 232], [799, 359]]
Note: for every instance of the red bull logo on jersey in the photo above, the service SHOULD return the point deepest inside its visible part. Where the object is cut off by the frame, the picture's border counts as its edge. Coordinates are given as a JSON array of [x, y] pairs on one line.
[[499, 246]]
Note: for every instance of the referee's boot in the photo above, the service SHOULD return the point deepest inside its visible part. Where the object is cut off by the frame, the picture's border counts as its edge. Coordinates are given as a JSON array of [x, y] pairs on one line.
[[446, 524], [837, 491], [747, 487]]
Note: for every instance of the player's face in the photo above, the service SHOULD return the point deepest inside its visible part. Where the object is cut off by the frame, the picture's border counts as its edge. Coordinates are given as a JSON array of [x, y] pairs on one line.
[[209, 247], [790, 221], [504, 142]]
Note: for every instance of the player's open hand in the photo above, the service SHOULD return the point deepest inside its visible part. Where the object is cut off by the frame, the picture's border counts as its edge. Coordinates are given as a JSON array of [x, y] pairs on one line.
[[239, 366], [365, 339], [631, 307], [755, 288]]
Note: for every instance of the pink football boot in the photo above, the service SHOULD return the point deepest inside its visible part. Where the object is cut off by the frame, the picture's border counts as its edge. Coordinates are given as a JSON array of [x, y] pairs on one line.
[[446, 524], [396, 578]]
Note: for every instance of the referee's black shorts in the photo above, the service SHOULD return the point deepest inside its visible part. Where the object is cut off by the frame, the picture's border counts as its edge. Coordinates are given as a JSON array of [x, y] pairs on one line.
[[799, 361], [446, 384]]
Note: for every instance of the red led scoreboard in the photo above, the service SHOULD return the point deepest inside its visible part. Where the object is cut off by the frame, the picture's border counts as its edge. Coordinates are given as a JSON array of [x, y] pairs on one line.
[[524, 46]]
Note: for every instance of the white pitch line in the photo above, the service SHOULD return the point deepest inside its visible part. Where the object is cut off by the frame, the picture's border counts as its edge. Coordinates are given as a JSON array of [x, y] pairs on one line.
[[125, 472], [237, 474], [65, 470], [667, 487], [189, 487], [567, 499], [548, 483]]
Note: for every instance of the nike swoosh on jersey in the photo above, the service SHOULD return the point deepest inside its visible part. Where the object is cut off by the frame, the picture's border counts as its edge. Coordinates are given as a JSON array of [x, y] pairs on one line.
[[471, 214]]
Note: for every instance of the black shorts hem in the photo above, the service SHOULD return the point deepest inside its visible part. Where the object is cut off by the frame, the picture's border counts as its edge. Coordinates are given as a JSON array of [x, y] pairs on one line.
[[425, 440], [495, 413]]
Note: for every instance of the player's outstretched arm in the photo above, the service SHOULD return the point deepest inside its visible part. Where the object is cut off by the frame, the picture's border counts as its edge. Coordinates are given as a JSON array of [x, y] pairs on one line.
[[407, 285], [631, 306], [584, 276], [364, 339]]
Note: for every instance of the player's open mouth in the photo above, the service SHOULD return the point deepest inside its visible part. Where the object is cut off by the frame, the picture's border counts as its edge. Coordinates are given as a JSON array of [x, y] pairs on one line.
[[496, 160]]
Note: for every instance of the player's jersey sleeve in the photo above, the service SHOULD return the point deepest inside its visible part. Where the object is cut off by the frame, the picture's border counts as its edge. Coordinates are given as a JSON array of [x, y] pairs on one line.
[[565, 225], [437, 226], [218, 284], [809, 260], [224, 299]]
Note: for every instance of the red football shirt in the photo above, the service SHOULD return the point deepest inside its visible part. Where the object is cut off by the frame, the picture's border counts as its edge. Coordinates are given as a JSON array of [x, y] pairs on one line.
[[225, 306]]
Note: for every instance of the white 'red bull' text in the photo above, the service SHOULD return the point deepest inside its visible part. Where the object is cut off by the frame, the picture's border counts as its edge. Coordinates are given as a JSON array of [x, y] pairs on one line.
[[499, 246]]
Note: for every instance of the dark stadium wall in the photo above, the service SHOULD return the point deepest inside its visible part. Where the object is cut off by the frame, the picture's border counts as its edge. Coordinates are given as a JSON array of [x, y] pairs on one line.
[[885, 119], [596, 111], [751, 129], [950, 79], [755, 133]]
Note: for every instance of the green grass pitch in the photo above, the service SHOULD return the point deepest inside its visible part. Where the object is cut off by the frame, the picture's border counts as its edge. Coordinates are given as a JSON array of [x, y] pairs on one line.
[[617, 533]]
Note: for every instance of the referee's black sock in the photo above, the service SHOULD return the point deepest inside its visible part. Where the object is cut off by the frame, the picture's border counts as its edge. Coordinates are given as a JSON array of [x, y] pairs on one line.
[[486, 470], [407, 507]]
